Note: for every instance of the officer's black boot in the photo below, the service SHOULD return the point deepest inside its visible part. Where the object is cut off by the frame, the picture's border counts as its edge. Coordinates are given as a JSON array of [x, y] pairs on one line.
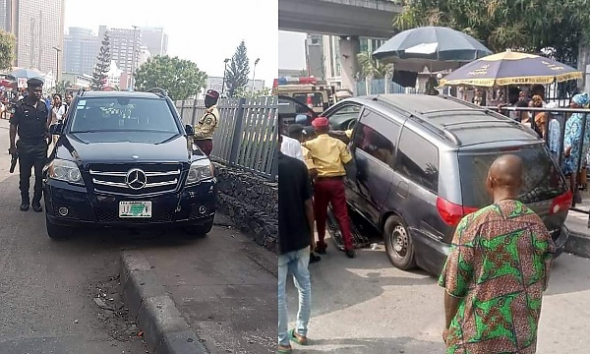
[[37, 202], [37, 206], [24, 205]]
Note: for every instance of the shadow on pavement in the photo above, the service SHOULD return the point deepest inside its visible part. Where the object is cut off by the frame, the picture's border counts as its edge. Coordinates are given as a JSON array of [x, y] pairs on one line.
[[565, 276], [373, 346]]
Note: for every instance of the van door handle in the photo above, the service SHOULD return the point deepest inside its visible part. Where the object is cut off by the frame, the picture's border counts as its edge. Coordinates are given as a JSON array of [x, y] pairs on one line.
[[403, 189]]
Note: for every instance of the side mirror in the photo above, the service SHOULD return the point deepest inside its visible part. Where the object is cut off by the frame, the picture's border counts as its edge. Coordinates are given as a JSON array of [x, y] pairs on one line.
[[56, 129], [190, 131]]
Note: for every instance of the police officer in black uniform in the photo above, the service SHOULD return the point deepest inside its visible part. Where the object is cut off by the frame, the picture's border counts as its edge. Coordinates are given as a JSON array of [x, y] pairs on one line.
[[30, 120]]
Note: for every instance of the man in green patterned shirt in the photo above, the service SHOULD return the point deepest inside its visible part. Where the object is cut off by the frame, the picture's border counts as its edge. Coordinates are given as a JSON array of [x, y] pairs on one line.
[[497, 271]]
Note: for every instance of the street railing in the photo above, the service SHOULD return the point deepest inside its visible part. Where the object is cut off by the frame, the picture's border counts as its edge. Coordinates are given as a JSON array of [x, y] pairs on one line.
[[246, 135], [556, 147]]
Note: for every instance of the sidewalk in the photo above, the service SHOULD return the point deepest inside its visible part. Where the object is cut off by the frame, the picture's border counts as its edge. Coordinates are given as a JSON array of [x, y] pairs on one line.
[[212, 295], [577, 226]]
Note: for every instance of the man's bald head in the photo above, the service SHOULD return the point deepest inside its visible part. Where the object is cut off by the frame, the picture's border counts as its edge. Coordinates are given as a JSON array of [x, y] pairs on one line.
[[506, 172]]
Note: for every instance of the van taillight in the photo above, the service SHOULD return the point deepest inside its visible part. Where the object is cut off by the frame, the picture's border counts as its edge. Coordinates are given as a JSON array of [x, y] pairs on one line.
[[561, 203], [452, 213]]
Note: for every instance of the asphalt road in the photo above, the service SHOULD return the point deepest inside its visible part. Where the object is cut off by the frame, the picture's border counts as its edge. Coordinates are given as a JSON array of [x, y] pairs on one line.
[[365, 305], [47, 288]]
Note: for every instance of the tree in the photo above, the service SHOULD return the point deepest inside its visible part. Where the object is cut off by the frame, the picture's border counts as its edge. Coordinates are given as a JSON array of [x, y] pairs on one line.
[[522, 25], [62, 86], [181, 78], [7, 50], [372, 68], [246, 92], [236, 75], [103, 64]]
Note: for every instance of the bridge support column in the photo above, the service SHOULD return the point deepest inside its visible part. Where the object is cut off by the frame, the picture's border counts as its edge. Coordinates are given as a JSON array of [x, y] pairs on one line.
[[350, 46]]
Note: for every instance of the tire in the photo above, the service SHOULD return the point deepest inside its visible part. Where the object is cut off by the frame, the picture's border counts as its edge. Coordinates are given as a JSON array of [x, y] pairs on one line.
[[57, 232], [398, 243], [198, 230]]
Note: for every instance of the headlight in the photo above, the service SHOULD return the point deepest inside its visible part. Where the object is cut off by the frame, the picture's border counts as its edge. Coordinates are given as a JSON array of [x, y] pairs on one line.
[[200, 171], [64, 170]]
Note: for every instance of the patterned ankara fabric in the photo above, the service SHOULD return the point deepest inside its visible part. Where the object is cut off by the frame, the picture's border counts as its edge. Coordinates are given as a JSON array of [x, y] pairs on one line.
[[499, 267]]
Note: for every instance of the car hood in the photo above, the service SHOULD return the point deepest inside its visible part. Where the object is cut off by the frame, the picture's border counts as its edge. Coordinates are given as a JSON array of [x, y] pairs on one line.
[[125, 147]]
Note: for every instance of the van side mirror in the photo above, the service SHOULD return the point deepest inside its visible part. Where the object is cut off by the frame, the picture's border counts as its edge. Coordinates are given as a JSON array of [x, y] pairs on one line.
[[190, 131], [56, 129]]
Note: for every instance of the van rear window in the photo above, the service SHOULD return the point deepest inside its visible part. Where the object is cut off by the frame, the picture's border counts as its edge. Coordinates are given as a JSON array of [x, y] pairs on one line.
[[542, 177]]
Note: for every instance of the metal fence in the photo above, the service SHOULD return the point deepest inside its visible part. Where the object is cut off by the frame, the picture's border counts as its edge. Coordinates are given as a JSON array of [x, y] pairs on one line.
[[555, 139], [246, 136]]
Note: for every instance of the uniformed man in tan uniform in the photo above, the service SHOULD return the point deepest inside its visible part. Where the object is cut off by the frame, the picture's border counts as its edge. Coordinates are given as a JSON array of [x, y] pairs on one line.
[[208, 123]]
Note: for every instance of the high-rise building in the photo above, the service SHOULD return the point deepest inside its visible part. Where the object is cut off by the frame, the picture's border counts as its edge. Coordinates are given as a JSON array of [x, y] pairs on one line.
[[81, 47], [39, 29], [315, 56], [125, 46], [8, 15], [155, 40], [332, 63]]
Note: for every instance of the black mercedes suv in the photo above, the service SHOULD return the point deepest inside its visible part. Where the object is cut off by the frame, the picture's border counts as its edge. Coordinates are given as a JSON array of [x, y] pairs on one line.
[[124, 159], [421, 164]]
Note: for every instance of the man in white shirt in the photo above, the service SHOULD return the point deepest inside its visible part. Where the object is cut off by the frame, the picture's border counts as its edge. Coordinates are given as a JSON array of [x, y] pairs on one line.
[[292, 147]]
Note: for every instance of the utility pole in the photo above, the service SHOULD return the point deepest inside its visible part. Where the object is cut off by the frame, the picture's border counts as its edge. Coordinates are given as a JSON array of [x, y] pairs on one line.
[[134, 56], [254, 74], [225, 61], [57, 51]]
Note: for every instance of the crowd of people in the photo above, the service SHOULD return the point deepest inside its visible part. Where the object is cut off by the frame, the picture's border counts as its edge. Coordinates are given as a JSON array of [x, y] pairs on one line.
[[490, 305], [576, 140]]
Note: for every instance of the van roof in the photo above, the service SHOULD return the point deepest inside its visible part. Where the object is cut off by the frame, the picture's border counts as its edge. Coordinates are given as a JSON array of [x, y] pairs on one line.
[[457, 122]]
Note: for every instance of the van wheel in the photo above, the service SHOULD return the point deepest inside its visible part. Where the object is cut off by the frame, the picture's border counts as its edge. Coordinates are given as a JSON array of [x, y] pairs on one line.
[[398, 243], [198, 230], [57, 232]]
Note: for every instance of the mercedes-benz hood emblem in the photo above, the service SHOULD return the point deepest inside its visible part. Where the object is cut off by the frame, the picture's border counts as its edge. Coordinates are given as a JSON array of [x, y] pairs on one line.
[[136, 179]]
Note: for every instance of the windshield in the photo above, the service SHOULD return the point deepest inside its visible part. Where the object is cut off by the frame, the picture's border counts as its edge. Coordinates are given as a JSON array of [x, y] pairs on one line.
[[542, 178], [121, 114]]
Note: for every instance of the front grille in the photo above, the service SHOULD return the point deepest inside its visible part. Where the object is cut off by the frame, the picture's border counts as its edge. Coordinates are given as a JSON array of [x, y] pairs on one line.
[[112, 215], [159, 178]]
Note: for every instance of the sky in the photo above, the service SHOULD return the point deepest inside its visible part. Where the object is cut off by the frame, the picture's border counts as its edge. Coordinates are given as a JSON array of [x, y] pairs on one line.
[[205, 32], [291, 50]]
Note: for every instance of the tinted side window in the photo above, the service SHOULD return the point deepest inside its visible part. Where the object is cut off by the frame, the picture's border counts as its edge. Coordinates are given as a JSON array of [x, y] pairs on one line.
[[417, 159], [377, 136]]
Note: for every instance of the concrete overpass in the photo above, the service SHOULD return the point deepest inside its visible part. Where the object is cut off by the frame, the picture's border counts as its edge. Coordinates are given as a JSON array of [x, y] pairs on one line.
[[364, 18], [349, 19]]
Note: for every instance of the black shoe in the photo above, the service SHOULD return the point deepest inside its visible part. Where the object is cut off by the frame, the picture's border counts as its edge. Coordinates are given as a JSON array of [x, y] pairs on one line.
[[313, 258], [321, 249], [350, 253], [37, 207], [24, 206]]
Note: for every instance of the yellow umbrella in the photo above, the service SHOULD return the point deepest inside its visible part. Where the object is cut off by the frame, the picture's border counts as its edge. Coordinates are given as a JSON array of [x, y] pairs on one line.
[[511, 68]]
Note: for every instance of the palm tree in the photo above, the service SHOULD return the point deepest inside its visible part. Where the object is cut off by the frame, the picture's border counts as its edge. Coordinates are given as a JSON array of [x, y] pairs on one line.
[[373, 69]]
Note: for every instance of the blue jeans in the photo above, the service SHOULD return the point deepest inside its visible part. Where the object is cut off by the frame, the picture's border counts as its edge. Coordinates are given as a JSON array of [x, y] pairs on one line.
[[295, 262]]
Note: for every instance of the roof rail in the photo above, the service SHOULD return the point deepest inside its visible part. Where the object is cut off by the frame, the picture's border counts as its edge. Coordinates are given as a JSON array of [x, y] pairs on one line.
[[457, 110], [81, 92], [420, 118], [158, 91]]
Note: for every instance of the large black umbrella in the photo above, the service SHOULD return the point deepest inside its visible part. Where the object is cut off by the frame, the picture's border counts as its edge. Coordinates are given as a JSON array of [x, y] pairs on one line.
[[437, 48]]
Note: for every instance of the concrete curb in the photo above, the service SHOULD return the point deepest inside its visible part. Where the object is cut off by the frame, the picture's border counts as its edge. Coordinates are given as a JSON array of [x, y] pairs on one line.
[[577, 243], [165, 331]]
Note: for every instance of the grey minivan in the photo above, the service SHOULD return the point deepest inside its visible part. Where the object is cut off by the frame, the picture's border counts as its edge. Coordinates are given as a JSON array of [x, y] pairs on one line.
[[421, 164]]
